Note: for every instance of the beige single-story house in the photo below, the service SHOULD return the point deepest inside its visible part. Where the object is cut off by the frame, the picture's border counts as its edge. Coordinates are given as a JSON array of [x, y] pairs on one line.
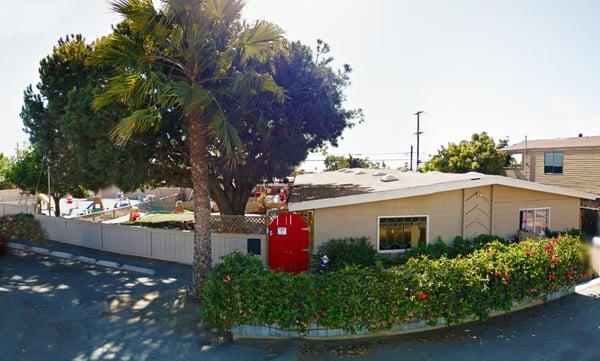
[[398, 210]]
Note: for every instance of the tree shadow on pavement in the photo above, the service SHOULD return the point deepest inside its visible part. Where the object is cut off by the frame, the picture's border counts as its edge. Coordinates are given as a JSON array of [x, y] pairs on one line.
[[76, 311]]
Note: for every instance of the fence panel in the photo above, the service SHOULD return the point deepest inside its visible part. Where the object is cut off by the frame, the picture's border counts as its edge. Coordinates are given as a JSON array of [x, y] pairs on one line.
[[171, 245], [227, 243], [135, 241], [11, 209], [53, 226], [82, 233]]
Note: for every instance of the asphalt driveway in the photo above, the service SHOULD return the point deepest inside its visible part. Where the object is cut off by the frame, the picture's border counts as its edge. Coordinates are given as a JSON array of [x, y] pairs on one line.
[[54, 309]]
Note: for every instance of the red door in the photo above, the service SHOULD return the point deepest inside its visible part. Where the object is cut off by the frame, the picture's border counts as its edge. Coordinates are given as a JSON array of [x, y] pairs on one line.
[[288, 243]]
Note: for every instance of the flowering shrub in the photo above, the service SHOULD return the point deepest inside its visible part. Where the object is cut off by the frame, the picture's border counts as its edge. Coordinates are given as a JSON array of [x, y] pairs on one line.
[[243, 291]]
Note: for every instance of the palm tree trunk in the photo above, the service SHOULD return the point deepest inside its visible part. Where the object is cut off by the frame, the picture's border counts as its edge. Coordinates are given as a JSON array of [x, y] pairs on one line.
[[202, 242]]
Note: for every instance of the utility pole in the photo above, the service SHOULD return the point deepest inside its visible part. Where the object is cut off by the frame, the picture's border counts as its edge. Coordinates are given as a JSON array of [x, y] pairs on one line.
[[411, 157], [49, 193], [418, 133]]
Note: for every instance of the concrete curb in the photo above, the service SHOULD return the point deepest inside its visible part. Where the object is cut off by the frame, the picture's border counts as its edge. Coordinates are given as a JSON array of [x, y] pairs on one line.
[[109, 264], [18, 246], [59, 254], [40, 250], [319, 333], [143, 270], [84, 259]]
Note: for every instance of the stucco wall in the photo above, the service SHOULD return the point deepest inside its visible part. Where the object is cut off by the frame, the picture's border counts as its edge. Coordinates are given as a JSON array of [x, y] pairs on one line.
[[445, 211], [564, 211]]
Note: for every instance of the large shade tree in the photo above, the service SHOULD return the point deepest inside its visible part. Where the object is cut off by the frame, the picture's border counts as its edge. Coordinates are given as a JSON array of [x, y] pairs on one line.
[[43, 110], [478, 154], [182, 59], [277, 135]]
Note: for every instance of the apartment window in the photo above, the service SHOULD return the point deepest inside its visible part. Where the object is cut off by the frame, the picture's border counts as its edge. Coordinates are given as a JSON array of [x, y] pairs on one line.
[[400, 233], [553, 162], [535, 220]]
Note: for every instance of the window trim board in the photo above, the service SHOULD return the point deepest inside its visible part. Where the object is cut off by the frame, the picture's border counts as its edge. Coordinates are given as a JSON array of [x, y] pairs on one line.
[[402, 216]]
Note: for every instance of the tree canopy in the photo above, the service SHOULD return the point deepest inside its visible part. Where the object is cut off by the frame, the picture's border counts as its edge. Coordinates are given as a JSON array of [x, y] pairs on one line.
[[335, 162], [479, 154], [5, 167]]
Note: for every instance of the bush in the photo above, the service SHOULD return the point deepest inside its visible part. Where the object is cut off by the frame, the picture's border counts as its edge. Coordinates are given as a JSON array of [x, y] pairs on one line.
[[243, 291], [346, 252], [22, 227], [465, 246]]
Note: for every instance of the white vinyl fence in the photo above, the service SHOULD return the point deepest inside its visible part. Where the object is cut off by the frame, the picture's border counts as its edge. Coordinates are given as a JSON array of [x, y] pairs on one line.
[[7, 209], [163, 244]]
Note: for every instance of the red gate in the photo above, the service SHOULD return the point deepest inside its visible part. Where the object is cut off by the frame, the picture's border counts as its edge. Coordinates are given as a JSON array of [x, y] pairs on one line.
[[288, 243]]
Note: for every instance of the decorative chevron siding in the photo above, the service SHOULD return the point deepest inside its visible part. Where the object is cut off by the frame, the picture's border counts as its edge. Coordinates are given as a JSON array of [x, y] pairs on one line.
[[477, 211]]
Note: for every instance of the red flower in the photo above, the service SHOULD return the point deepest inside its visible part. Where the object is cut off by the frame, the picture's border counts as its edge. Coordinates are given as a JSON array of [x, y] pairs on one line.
[[551, 277], [570, 275], [528, 253], [585, 274], [506, 277], [423, 296], [555, 260], [227, 278], [497, 273], [549, 248]]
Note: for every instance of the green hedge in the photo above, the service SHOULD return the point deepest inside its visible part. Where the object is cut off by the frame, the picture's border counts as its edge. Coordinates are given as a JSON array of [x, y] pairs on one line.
[[242, 291], [22, 227], [346, 252], [360, 252]]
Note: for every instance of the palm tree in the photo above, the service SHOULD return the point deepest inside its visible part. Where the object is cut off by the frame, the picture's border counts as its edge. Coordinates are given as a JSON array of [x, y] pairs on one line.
[[181, 59]]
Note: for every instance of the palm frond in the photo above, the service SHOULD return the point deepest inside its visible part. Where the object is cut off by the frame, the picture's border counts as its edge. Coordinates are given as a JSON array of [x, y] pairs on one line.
[[119, 51], [224, 10], [252, 41], [252, 83], [192, 98], [226, 136], [138, 122], [141, 14]]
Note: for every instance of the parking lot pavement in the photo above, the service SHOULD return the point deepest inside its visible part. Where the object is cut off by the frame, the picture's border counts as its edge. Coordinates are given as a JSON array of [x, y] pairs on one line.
[[58, 309]]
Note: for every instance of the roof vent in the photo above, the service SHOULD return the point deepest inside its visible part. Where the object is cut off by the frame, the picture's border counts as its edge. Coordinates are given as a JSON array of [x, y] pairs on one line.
[[580, 135], [389, 178], [359, 171], [378, 173]]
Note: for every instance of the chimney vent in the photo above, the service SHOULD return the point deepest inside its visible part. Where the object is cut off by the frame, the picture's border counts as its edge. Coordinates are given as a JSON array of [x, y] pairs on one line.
[[580, 135]]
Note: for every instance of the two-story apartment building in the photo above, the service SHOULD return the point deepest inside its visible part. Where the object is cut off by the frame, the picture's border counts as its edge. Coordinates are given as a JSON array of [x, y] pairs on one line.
[[565, 162]]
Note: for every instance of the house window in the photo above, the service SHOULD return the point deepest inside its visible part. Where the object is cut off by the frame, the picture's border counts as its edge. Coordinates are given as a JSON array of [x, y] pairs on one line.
[[535, 220], [553, 162], [400, 233]]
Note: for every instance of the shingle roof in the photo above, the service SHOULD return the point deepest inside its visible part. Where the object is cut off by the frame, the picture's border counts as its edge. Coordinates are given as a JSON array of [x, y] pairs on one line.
[[335, 188], [557, 143]]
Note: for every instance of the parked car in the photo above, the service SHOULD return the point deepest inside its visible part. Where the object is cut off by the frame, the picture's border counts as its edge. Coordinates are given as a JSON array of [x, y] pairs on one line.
[[3, 244]]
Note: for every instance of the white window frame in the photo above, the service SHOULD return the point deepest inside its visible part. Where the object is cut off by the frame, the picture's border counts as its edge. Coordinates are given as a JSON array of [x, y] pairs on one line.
[[402, 216], [536, 209]]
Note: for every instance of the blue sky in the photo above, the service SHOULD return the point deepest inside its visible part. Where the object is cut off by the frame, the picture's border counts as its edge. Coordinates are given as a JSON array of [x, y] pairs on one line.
[[511, 68]]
